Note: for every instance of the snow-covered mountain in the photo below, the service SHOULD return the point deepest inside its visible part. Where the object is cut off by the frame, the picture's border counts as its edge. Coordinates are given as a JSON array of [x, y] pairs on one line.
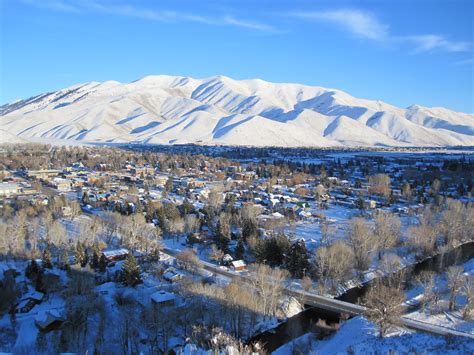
[[219, 110]]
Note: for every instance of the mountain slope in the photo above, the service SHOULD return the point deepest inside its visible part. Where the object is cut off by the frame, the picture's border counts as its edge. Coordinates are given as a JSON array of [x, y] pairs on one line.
[[219, 110]]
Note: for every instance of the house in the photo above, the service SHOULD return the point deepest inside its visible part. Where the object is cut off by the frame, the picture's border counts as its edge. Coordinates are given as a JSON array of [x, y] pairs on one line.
[[115, 255], [162, 298], [172, 275], [238, 265], [49, 320], [25, 306], [8, 189], [43, 174], [29, 301], [61, 184], [160, 180]]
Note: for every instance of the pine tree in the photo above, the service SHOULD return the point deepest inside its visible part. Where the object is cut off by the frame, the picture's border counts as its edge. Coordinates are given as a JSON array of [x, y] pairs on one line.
[[39, 286], [102, 263], [131, 271], [32, 270], [240, 249], [223, 236], [79, 254], [47, 262], [297, 260], [86, 258], [94, 262], [65, 260]]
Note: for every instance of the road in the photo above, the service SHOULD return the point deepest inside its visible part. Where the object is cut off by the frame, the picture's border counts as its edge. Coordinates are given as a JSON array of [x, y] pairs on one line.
[[333, 304]]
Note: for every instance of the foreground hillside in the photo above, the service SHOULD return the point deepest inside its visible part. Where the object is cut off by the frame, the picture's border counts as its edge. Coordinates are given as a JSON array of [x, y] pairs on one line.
[[220, 110]]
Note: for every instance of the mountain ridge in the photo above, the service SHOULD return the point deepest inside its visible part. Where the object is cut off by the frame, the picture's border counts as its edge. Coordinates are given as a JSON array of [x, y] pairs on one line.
[[164, 109]]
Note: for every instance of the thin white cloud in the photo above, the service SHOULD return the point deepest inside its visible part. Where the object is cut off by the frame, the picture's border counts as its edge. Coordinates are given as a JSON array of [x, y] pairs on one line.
[[247, 24], [54, 5], [366, 25], [147, 13], [431, 42], [358, 22]]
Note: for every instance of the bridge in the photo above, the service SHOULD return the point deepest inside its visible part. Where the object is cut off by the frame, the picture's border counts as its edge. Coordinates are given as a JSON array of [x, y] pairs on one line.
[[332, 304]]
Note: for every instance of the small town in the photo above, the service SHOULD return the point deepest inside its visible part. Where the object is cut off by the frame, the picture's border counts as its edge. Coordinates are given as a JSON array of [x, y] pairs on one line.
[[236, 177], [186, 251]]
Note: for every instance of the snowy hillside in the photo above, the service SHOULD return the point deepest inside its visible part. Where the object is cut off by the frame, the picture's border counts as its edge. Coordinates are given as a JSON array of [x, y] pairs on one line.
[[220, 110]]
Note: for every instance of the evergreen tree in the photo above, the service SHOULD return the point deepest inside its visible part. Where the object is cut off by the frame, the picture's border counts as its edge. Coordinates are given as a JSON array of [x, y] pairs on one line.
[[80, 255], [360, 203], [86, 258], [249, 229], [47, 261], [131, 271], [65, 260], [102, 263], [297, 261], [240, 249], [223, 235], [39, 286], [94, 262], [187, 207], [32, 270]]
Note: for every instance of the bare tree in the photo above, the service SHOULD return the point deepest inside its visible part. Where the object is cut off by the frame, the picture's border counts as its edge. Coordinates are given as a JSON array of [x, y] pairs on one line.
[[380, 184], [319, 191], [268, 283], [215, 198], [334, 264], [455, 224], [75, 208], [455, 282], [57, 235], [328, 231], [361, 241], [422, 238], [384, 306], [216, 254], [189, 259], [426, 280], [386, 231], [406, 191], [468, 292], [191, 223], [392, 266]]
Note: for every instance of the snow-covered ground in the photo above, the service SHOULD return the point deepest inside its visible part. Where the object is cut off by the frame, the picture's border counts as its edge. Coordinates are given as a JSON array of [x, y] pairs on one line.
[[442, 316], [359, 336]]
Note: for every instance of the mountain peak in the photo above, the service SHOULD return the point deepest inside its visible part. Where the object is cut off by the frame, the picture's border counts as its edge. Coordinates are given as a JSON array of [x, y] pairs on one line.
[[220, 110]]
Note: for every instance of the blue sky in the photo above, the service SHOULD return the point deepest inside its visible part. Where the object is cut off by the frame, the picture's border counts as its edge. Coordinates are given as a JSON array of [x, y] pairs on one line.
[[402, 52]]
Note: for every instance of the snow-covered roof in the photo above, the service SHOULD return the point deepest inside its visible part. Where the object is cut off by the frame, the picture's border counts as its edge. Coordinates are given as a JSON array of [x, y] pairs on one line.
[[162, 296], [238, 263], [44, 319], [116, 252], [35, 295]]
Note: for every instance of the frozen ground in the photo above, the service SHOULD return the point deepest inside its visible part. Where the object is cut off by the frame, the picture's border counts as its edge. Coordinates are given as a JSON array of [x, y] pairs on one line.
[[359, 336], [443, 317]]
